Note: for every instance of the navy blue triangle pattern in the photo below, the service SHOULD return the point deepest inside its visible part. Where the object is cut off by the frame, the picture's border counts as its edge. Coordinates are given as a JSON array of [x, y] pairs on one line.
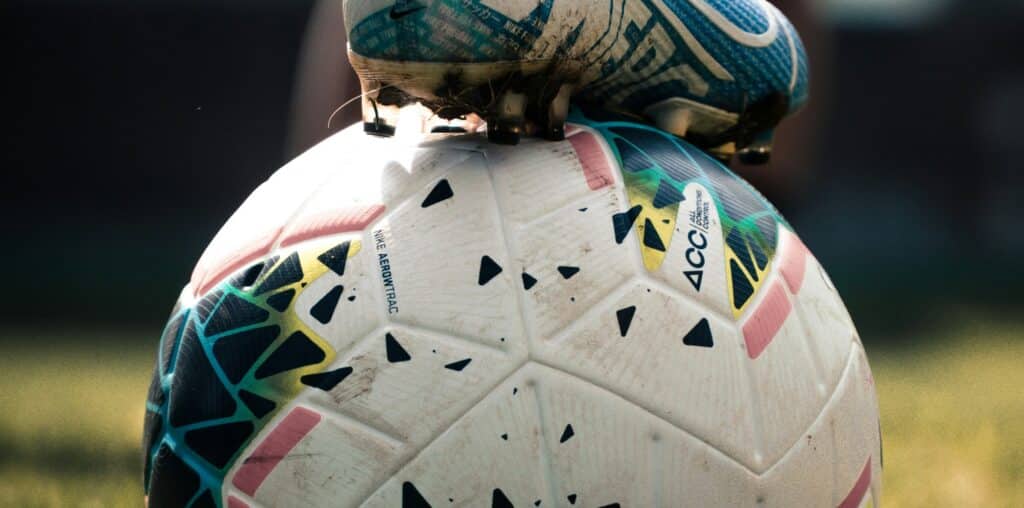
[[226, 365]]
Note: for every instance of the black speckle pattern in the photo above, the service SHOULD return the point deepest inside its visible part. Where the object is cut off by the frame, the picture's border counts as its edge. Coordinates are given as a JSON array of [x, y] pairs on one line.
[[500, 500], [567, 434], [440, 192], [489, 269], [568, 272], [700, 335], [459, 365], [528, 281], [395, 352], [411, 498], [571, 498], [625, 318]]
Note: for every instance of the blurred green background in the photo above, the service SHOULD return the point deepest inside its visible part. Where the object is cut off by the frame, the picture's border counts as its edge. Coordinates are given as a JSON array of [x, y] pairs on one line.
[[137, 126]]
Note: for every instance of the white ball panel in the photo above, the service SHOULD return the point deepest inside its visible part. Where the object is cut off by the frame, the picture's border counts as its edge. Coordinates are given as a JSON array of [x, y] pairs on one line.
[[829, 328], [337, 464], [472, 458], [536, 178], [414, 399], [786, 388], [621, 453], [436, 257], [574, 258], [700, 389]]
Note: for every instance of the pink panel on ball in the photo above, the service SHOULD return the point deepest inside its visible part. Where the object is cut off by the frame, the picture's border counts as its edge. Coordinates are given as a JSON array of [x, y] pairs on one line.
[[859, 489], [274, 448], [596, 167], [766, 320], [794, 260], [234, 502], [340, 220], [210, 271]]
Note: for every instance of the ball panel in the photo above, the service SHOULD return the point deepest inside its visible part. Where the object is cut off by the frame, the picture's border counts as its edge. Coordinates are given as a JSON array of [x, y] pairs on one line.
[[546, 436], [295, 425], [621, 453], [538, 177], [496, 445], [411, 385], [823, 466], [806, 475], [404, 170], [447, 264], [337, 462], [785, 380], [819, 333], [829, 328], [698, 387], [573, 257]]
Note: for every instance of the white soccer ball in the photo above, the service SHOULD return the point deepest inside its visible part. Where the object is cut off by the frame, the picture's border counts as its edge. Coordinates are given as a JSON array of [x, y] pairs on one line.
[[611, 320]]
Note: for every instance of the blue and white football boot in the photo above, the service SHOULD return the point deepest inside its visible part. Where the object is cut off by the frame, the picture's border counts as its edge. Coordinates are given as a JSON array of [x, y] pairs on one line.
[[721, 73]]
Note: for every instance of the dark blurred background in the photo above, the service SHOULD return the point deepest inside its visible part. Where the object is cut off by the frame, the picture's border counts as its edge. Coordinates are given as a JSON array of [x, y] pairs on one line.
[[135, 127]]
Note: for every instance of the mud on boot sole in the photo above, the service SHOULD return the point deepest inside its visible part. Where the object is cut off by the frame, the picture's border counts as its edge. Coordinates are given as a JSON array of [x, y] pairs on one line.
[[531, 98]]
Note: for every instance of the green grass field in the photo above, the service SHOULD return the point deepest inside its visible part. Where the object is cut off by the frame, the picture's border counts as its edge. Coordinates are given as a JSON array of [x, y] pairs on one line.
[[952, 417]]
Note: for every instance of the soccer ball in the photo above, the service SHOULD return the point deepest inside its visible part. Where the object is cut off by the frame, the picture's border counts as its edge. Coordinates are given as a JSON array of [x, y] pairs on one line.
[[611, 320]]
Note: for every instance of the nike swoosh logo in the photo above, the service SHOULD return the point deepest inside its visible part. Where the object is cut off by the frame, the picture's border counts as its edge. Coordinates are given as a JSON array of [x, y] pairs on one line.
[[399, 13]]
